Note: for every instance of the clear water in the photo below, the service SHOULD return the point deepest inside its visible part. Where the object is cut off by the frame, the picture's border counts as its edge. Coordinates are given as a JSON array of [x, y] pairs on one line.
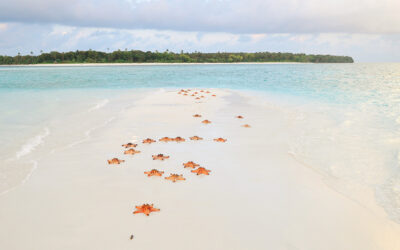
[[345, 119]]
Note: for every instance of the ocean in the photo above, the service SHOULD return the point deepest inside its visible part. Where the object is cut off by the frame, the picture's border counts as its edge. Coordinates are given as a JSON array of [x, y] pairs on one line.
[[345, 118]]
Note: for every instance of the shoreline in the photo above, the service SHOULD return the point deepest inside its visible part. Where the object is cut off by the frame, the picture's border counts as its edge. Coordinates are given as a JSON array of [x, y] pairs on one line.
[[146, 64]]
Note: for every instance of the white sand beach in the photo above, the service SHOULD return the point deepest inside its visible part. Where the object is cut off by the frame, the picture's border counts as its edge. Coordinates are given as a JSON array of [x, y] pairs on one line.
[[258, 196]]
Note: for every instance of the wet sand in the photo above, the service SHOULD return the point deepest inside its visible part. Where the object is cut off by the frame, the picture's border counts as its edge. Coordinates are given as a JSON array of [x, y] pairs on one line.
[[256, 197]]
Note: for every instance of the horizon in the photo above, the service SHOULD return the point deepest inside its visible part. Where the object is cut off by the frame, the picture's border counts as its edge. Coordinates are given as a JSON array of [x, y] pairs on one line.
[[365, 31]]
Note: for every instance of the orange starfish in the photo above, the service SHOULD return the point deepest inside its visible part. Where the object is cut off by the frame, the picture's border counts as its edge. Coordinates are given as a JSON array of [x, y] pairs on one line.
[[178, 139], [195, 138], [201, 170], [131, 152], [115, 161], [160, 157], [146, 209], [213, 95], [206, 122], [239, 117], [175, 177], [196, 115], [129, 145], [190, 164], [246, 126], [166, 139], [148, 140], [220, 140], [154, 172]]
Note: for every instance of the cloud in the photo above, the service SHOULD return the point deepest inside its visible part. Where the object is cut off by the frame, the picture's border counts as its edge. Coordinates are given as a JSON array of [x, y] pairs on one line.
[[232, 16], [3, 26]]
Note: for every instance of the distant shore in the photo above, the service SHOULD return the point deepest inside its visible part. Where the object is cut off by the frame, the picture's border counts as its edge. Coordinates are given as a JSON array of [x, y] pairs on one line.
[[139, 64]]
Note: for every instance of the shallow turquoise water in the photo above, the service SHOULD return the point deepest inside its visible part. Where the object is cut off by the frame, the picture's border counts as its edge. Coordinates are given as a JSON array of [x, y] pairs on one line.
[[359, 105], [330, 81]]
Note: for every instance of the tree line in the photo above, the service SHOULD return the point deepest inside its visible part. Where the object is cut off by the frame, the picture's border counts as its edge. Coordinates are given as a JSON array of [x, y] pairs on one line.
[[137, 56]]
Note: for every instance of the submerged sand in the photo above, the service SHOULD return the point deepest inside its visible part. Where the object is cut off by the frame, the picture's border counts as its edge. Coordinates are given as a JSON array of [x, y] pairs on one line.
[[256, 197]]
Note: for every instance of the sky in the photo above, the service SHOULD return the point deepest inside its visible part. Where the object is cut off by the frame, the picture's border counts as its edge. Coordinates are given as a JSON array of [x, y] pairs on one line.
[[367, 30]]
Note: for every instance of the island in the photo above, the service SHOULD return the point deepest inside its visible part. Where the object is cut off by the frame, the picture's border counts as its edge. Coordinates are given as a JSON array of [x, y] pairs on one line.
[[137, 56]]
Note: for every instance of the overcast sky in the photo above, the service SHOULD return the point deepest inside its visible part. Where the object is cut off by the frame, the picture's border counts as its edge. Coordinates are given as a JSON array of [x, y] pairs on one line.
[[367, 30]]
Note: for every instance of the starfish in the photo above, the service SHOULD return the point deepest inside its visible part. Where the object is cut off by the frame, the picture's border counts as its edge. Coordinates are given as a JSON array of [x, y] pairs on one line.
[[146, 209], [196, 115], [213, 95], [208, 92], [160, 157], [131, 152], [246, 126], [175, 177], [148, 140], [206, 122], [166, 139], [239, 117], [202, 96], [115, 161], [201, 170], [185, 94], [195, 138], [195, 93], [201, 90], [220, 140], [179, 139], [129, 145], [190, 164], [197, 98], [154, 172]]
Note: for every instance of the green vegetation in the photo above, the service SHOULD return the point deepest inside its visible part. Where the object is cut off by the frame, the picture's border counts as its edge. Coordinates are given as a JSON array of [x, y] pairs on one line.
[[137, 56]]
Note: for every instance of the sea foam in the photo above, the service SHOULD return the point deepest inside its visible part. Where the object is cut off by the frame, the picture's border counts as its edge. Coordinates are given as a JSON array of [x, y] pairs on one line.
[[99, 105], [31, 144]]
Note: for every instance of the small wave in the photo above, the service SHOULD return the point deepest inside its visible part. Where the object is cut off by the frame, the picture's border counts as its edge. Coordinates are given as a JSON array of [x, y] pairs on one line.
[[34, 166], [89, 131], [99, 105], [32, 143]]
